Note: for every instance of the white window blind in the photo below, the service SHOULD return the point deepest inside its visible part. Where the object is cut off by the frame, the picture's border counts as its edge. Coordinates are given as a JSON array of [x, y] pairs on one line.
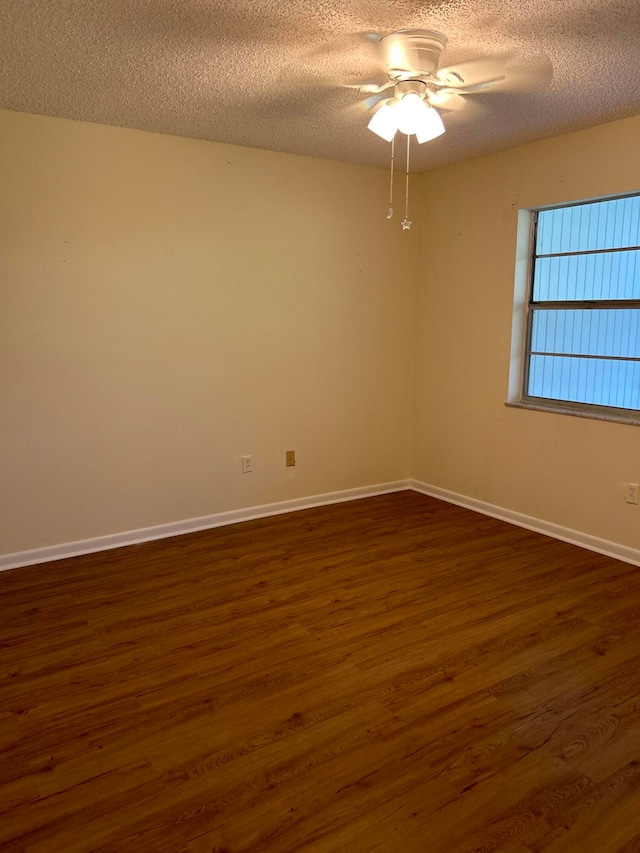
[[584, 308]]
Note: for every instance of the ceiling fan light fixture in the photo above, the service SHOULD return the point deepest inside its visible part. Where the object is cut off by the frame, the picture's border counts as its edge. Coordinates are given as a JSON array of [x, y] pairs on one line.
[[384, 121], [410, 113], [415, 116], [430, 125]]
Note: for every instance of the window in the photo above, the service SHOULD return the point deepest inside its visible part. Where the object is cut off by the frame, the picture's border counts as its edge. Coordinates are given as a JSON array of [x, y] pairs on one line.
[[583, 315]]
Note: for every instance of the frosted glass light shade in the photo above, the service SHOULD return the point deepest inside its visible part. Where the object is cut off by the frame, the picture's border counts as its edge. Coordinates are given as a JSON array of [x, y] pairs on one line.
[[384, 121], [409, 115], [430, 125], [416, 116], [410, 110]]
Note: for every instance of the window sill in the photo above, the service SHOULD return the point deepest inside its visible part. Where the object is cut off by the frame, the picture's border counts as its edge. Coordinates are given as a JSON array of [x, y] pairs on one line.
[[624, 416]]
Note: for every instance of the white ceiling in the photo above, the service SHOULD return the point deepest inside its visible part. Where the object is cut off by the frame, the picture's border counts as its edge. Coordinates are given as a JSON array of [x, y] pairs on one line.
[[267, 73]]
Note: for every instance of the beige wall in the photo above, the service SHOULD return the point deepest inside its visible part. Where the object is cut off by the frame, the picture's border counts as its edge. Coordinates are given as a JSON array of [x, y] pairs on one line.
[[566, 470], [168, 305]]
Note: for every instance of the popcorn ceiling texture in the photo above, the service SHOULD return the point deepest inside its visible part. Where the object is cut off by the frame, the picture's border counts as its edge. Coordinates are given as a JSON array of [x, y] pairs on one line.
[[272, 73]]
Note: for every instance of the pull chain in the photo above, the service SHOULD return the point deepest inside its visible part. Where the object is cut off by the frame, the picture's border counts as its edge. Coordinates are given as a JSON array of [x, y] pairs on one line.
[[393, 148], [406, 222]]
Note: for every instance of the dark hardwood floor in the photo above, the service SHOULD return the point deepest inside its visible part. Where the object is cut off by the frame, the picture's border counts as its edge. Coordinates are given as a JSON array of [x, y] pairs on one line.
[[391, 674]]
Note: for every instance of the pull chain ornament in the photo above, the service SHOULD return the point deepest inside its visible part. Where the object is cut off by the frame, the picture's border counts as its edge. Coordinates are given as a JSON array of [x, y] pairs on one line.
[[406, 222]]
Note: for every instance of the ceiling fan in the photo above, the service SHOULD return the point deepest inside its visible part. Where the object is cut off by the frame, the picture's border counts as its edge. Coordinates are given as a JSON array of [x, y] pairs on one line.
[[422, 90], [411, 59]]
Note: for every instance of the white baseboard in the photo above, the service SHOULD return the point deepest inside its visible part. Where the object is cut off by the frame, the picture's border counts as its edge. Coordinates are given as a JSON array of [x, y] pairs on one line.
[[177, 528], [191, 525], [539, 525]]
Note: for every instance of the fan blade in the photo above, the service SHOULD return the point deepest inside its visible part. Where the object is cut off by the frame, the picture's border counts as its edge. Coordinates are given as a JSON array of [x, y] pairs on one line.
[[346, 43], [335, 62], [474, 90], [370, 102], [369, 37], [368, 105], [533, 73], [536, 72], [447, 101], [367, 87], [474, 73]]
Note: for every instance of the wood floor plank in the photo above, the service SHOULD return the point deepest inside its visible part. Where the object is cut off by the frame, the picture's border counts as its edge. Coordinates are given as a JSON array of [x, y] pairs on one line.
[[591, 823], [394, 673], [631, 846]]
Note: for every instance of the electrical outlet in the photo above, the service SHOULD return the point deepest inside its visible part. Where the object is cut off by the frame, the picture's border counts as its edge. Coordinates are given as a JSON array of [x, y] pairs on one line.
[[290, 458], [633, 493], [247, 465]]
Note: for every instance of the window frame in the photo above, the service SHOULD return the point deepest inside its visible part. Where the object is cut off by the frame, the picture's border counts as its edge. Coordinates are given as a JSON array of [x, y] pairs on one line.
[[551, 404]]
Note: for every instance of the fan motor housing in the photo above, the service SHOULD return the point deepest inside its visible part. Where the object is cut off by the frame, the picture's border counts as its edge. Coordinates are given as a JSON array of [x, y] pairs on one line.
[[411, 53]]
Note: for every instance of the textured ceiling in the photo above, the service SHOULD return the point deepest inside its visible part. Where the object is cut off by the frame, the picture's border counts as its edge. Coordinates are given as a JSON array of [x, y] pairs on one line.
[[271, 73]]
